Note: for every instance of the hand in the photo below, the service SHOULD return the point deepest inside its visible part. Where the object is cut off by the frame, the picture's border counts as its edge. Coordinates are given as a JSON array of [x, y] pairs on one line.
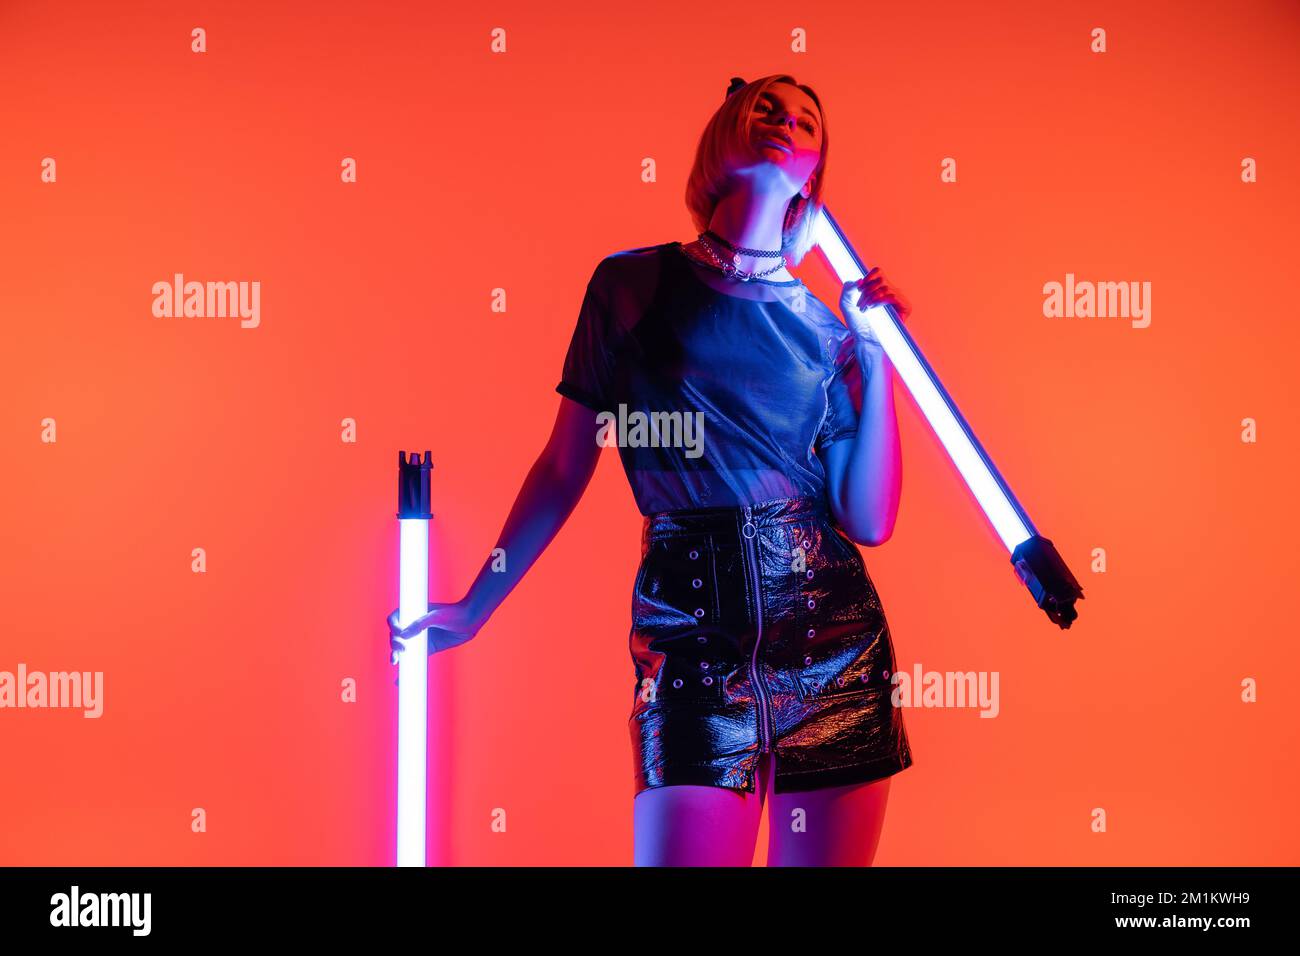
[[869, 291], [449, 626]]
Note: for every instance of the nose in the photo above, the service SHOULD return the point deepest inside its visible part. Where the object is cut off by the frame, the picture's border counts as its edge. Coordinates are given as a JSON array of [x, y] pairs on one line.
[[786, 119], [786, 125]]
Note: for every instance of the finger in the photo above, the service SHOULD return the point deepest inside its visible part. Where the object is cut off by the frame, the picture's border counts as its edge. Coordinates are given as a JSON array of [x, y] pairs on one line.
[[415, 627]]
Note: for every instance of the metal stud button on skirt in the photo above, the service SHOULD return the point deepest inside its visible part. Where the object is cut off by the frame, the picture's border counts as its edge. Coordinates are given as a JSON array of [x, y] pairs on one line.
[[757, 629]]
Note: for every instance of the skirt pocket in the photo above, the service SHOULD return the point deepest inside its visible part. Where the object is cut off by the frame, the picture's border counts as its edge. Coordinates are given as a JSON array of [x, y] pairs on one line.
[[864, 666], [674, 644], [842, 627], [676, 584]]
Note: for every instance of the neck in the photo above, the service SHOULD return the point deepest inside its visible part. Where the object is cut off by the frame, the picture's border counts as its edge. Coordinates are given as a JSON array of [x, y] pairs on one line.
[[750, 218]]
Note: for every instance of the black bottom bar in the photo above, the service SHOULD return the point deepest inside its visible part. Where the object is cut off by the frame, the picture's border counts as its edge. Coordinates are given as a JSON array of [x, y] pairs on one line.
[[423, 908]]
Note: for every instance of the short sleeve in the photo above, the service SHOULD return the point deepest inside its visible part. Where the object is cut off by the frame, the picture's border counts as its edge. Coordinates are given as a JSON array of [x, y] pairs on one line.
[[843, 395], [589, 364]]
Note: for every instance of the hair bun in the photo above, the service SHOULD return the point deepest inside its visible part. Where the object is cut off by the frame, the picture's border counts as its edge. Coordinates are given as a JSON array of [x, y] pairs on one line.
[[736, 83]]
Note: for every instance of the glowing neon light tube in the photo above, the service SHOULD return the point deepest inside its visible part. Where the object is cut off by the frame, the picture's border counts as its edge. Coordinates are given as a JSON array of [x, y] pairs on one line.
[[413, 663], [1033, 557]]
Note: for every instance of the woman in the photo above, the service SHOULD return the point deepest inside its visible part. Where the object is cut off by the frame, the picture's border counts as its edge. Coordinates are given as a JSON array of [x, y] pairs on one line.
[[761, 653]]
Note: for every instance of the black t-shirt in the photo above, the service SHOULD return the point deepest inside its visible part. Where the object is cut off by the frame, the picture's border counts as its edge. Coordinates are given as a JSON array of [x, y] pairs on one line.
[[714, 399]]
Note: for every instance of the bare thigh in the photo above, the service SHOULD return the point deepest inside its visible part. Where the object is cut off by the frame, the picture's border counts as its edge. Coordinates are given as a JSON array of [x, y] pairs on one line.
[[686, 825], [837, 826]]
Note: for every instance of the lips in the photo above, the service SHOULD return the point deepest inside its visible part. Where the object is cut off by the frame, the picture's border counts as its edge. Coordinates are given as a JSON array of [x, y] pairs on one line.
[[779, 141]]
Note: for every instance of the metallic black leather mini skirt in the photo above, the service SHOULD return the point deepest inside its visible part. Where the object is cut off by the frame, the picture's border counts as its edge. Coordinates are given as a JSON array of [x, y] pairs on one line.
[[757, 629]]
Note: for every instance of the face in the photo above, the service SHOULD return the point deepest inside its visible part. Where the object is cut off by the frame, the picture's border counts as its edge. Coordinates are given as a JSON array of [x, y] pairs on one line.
[[786, 131]]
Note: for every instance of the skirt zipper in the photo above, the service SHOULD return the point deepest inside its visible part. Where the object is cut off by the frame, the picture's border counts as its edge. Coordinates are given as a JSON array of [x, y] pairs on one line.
[[749, 532]]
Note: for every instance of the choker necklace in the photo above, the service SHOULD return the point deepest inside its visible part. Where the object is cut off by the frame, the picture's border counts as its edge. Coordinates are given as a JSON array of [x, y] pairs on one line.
[[732, 269]]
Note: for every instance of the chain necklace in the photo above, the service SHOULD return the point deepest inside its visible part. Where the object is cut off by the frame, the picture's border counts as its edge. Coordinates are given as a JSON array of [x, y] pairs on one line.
[[732, 269]]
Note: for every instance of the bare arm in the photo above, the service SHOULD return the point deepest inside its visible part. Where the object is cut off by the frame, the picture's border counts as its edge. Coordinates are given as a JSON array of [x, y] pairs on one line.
[[864, 475], [549, 494]]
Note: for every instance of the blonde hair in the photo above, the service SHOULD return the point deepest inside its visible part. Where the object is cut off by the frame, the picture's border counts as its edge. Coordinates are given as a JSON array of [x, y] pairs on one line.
[[726, 131]]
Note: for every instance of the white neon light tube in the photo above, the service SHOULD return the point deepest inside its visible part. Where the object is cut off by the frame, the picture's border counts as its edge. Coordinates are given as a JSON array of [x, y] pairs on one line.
[[996, 500], [412, 695]]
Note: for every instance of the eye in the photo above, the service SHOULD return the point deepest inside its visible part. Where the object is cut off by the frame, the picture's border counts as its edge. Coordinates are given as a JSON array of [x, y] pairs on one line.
[[765, 106]]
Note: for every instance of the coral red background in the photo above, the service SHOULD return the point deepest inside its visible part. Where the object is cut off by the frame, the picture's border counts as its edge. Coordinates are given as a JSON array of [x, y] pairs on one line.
[[521, 170]]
